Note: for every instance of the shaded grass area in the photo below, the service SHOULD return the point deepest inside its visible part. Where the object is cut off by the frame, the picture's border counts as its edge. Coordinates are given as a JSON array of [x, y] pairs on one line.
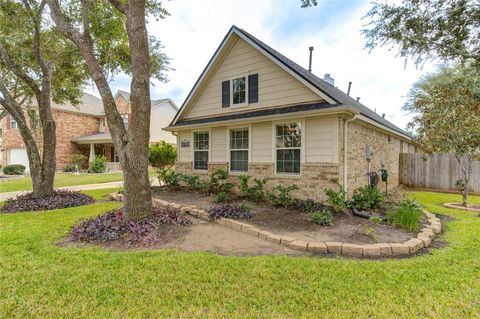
[[61, 180], [100, 194], [39, 279]]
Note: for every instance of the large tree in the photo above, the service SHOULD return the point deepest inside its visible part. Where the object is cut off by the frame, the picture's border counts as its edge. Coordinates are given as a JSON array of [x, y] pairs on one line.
[[426, 29], [36, 66], [112, 36], [446, 108]]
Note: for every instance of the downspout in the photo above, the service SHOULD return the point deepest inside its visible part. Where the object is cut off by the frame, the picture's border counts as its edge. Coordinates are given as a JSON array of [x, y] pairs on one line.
[[345, 152]]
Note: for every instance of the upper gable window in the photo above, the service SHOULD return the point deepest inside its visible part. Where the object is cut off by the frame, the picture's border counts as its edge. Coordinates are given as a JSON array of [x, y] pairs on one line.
[[239, 90], [13, 123]]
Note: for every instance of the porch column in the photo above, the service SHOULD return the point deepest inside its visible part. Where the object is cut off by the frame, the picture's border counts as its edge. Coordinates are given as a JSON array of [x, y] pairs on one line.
[[91, 157]]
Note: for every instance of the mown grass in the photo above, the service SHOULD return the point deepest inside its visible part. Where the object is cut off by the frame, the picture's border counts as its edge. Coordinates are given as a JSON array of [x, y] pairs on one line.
[[100, 194], [61, 180], [39, 279]]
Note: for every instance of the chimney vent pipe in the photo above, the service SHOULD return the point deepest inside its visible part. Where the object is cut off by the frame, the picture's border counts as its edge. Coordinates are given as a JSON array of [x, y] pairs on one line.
[[349, 87], [358, 99], [310, 59]]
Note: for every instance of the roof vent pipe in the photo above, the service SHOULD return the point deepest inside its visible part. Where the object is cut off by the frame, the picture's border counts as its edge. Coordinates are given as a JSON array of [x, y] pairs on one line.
[[383, 115], [310, 60], [358, 99], [349, 87]]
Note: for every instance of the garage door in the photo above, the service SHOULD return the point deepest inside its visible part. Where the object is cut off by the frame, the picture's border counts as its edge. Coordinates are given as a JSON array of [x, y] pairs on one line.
[[17, 156]]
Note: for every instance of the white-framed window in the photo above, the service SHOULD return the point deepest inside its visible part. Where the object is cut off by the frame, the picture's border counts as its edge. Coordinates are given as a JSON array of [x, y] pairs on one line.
[[239, 90], [239, 150], [125, 120], [201, 146], [13, 123], [288, 142]]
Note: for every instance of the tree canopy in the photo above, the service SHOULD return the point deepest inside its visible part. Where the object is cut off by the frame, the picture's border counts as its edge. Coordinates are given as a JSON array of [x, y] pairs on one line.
[[426, 29]]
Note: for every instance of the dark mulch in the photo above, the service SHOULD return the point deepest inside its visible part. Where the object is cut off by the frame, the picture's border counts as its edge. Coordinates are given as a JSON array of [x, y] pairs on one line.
[[113, 229], [58, 199]]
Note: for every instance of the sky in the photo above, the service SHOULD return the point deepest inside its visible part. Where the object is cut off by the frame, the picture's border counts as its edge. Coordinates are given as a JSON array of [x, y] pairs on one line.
[[195, 28]]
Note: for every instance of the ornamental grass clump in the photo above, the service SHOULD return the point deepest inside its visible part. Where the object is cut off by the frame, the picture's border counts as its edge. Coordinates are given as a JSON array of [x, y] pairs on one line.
[[58, 199], [407, 215], [113, 226]]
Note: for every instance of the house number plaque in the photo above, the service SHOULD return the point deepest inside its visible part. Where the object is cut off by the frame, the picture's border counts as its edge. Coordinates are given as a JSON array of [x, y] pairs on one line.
[[185, 143]]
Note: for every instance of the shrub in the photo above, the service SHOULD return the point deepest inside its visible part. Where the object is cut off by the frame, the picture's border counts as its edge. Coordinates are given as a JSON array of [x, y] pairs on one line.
[[408, 215], [367, 197], [80, 160], [221, 197], [69, 168], [169, 177], [338, 199], [376, 219], [113, 225], [58, 199], [162, 155], [14, 169], [191, 181], [229, 211], [219, 182], [281, 195], [255, 192], [322, 217], [307, 205], [99, 164]]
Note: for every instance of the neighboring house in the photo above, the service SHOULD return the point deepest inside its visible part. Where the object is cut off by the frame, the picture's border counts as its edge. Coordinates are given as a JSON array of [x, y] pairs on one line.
[[82, 129], [255, 111]]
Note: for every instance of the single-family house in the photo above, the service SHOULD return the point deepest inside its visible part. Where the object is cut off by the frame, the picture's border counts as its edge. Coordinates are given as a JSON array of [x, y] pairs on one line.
[[82, 129], [254, 111]]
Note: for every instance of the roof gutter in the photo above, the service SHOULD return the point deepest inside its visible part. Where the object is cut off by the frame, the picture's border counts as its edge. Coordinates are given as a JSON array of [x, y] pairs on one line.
[[377, 124]]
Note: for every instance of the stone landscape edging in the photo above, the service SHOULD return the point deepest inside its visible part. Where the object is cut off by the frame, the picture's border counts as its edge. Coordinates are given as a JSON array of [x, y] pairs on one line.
[[467, 209], [423, 239]]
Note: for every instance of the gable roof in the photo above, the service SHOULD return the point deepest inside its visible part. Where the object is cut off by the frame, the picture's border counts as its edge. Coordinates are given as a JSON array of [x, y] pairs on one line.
[[331, 94], [89, 104]]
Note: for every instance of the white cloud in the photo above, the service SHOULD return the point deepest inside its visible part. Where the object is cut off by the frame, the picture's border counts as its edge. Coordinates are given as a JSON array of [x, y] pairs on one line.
[[195, 29]]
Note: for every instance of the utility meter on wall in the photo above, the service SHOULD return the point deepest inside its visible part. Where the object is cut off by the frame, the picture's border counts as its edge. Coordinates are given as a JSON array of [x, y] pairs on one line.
[[368, 152]]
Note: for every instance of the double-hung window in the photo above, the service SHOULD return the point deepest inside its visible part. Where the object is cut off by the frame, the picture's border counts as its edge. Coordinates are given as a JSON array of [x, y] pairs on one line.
[[201, 145], [13, 123], [288, 148], [239, 150], [239, 90]]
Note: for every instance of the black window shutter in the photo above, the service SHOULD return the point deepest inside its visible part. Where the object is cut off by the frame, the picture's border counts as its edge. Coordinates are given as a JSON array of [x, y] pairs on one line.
[[253, 88], [225, 93]]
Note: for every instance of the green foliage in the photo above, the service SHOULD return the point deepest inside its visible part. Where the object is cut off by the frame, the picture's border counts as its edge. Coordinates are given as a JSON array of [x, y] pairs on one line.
[[407, 215], [338, 199], [426, 29], [246, 207], [169, 177], [192, 181], [221, 197], [69, 168], [14, 169], [256, 192], [80, 160], [218, 182], [376, 219], [162, 155], [281, 195], [367, 197], [322, 217], [99, 164]]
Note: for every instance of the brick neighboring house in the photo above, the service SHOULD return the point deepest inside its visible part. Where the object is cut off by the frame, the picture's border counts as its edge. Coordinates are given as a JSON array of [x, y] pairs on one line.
[[255, 111], [82, 129]]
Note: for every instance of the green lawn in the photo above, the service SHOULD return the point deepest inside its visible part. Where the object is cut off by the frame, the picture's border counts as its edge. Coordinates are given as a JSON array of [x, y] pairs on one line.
[[39, 279], [61, 180]]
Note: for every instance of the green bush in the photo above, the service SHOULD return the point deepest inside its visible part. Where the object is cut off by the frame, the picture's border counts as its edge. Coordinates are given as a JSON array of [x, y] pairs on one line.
[[218, 182], [99, 164], [169, 177], [407, 216], [338, 199], [162, 155], [376, 219], [257, 191], [322, 217], [281, 195], [221, 197], [80, 160], [367, 197], [191, 181], [14, 169], [69, 168]]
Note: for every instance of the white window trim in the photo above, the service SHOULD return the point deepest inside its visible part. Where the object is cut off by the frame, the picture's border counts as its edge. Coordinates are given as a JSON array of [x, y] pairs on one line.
[[274, 145], [246, 91], [12, 120], [236, 127], [192, 149]]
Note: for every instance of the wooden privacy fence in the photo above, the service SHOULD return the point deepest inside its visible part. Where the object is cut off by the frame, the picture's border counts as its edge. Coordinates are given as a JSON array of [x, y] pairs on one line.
[[440, 171]]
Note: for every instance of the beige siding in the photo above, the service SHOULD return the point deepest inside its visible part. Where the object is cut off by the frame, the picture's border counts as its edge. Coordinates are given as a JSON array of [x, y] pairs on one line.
[[219, 144], [321, 139], [276, 86], [184, 153], [160, 117], [262, 142]]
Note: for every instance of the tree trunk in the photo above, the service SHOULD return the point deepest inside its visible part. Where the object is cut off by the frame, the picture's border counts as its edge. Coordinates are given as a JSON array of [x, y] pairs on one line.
[[465, 193]]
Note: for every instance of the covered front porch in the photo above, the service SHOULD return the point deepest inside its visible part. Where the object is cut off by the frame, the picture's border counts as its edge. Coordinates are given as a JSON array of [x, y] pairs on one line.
[[99, 144]]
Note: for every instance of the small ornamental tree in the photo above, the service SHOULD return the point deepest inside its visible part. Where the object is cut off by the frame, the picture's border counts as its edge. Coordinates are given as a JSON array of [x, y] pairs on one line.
[[162, 155], [447, 116]]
